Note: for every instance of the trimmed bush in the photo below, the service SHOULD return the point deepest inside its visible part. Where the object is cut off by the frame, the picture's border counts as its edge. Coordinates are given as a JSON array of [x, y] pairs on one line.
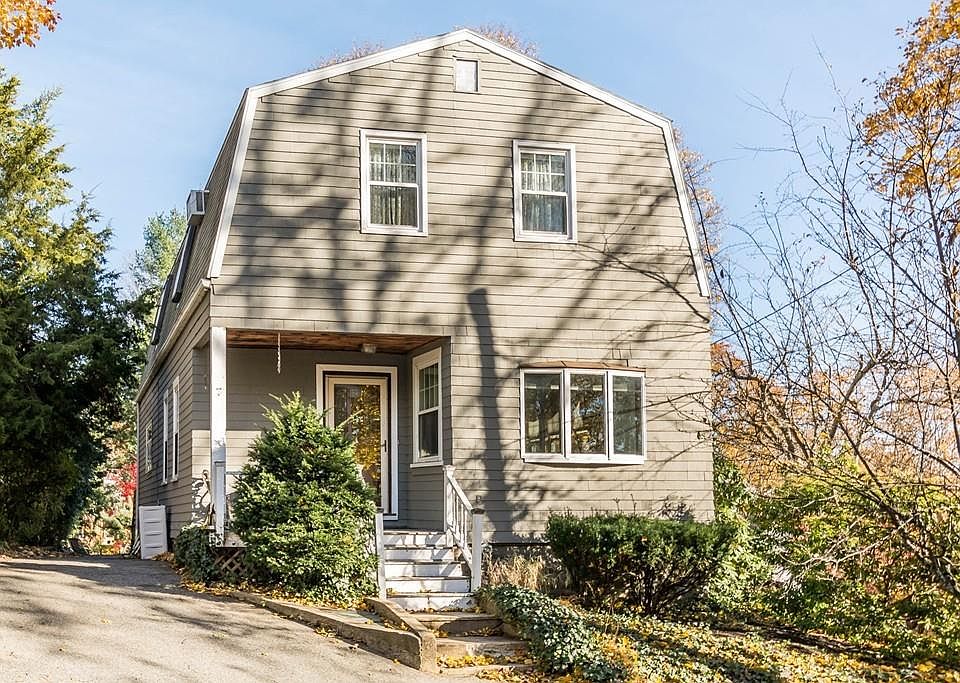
[[303, 510], [559, 637], [192, 551], [654, 565]]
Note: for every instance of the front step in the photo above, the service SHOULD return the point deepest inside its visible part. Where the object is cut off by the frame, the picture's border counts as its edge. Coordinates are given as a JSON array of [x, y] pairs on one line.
[[407, 553], [427, 568], [460, 623], [419, 539], [457, 647], [421, 584], [421, 602], [424, 572]]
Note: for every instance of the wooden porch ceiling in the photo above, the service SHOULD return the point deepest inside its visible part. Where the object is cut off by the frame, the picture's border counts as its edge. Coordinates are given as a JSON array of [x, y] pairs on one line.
[[326, 341]]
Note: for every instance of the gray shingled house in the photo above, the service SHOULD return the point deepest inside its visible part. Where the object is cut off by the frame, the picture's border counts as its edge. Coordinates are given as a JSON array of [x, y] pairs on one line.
[[492, 263]]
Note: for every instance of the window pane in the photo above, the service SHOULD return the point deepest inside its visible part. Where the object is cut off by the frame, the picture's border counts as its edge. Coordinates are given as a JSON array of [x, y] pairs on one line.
[[429, 433], [393, 205], [465, 75], [544, 213], [408, 155], [627, 415], [588, 414], [542, 418], [429, 383]]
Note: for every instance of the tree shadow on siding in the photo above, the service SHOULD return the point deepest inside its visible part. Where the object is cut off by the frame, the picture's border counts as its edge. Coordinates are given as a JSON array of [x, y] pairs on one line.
[[576, 300]]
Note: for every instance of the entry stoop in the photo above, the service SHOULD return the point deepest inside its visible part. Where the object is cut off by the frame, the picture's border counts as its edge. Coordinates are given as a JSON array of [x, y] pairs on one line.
[[423, 571]]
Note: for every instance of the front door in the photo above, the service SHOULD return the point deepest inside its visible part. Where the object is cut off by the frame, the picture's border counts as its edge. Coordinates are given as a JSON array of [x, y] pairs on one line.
[[361, 405]]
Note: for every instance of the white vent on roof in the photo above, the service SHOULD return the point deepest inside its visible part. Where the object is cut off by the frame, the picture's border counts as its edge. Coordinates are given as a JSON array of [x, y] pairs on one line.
[[196, 206]]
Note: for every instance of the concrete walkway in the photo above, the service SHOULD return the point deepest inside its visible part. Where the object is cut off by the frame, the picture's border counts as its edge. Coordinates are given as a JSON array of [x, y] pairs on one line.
[[98, 619]]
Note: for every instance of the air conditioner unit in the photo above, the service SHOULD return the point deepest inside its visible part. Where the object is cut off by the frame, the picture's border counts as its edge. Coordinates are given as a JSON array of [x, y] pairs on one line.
[[196, 206]]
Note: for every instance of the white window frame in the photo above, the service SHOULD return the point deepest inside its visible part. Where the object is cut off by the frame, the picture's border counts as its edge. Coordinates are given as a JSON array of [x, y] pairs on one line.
[[175, 436], [165, 441], [145, 423], [567, 456], [391, 136], [466, 59], [521, 235], [425, 360]]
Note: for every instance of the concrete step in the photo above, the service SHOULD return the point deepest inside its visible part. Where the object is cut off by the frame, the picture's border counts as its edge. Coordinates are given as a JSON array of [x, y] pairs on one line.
[[424, 584], [415, 538], [421, 602], [461, 623], [487, 671], [396, 553], [455, 647], [394, 569]]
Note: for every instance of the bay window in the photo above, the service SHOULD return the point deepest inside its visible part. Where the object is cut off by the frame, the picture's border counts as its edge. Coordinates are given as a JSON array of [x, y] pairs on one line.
[[582, 415]]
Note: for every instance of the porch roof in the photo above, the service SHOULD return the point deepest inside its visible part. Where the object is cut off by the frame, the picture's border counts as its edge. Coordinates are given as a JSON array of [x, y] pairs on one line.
[[326, 341]]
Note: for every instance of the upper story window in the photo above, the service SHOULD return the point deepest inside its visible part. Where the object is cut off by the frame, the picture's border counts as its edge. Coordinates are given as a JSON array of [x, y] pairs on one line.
[[582, 415], [544, 202], [393, 182], [466, 75]]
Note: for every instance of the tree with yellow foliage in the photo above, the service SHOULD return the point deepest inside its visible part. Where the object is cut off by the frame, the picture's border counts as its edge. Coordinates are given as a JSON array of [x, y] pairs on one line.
[[22, 20]]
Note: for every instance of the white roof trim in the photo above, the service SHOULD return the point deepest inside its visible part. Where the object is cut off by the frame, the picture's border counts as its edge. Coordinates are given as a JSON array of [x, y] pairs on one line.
[[252, 95]]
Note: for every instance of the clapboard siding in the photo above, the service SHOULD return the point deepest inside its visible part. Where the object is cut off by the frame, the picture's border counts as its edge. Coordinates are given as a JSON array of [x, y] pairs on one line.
[[625, 292], [180, 495], [253, 381]]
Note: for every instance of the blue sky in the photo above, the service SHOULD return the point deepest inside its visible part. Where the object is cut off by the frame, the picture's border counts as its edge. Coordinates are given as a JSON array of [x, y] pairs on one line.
[[148, 89]]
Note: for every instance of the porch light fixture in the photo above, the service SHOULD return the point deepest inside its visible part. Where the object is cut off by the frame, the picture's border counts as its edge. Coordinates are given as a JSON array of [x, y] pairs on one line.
[[368, 348]]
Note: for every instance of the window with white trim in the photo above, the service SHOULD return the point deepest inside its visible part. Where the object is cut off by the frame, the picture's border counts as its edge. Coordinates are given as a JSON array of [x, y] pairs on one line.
[[175, 453], [165, 451], [145, 451], [466, 75], [393, 182], [582, 415], [544, 189], [427, 421]]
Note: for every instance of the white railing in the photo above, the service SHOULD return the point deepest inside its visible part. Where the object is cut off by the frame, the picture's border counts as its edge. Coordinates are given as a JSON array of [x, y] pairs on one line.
[[378, 543], [463, 524]]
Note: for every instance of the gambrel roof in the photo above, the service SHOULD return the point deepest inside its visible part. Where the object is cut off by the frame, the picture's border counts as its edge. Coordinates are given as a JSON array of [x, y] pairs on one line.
[[252, 95]]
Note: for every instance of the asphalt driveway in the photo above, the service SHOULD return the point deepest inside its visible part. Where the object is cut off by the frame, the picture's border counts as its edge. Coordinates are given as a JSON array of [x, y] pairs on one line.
[[98, 619]]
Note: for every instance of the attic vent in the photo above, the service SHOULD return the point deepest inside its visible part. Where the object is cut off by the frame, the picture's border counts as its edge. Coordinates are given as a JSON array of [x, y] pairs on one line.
[[466, 75], [196, 206]]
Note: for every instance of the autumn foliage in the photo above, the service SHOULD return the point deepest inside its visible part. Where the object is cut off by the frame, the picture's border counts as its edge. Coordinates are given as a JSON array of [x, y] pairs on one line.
[[22, 20]]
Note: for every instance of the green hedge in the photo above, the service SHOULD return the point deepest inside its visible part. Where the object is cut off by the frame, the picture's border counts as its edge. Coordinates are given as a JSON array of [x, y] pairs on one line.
[[192, 551], [654, 565], [559, 637], [303, 510]]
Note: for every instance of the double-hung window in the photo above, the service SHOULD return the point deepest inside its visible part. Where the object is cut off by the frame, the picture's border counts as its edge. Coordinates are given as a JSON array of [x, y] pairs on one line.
[[582, 415], [393, 182], [427, 421], [175, 407], [166, 436], [544, 191]]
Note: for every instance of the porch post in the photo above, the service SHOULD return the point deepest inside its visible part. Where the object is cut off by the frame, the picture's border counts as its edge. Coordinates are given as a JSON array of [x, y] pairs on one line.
[[218, 427]]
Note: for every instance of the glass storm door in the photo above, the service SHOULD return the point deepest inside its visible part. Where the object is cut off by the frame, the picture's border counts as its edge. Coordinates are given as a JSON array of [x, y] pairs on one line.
[[361, 403]]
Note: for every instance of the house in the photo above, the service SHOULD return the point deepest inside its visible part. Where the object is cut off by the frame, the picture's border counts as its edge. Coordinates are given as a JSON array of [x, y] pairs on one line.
[[490, 260]]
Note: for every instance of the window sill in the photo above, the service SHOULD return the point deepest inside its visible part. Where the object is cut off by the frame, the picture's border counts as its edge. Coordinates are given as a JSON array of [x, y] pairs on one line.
[[594, 460], [436, 462], [387, 230], [546, 238]]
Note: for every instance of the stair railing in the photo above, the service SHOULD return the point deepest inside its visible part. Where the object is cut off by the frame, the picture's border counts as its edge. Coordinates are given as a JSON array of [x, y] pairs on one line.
[[378, 549], [463, 525]]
